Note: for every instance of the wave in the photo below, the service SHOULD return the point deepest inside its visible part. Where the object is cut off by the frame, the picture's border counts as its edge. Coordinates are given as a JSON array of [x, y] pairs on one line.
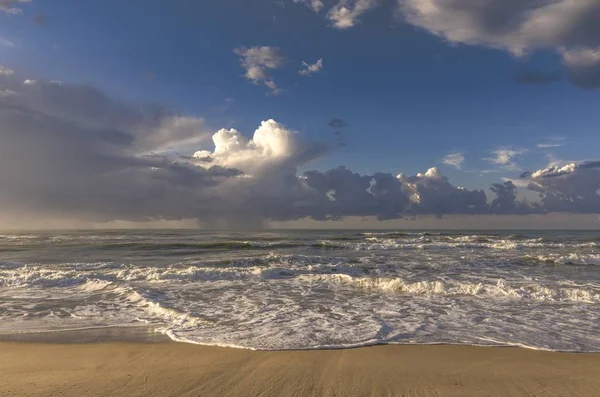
[[367, 244], [502, 288], [327, 274], [390, 234], [224, 245], [220, 245], [464, 242], [156, 308], [363, 241], [569, 259]]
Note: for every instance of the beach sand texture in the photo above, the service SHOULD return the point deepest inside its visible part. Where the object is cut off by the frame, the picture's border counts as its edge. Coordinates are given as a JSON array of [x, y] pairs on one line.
[[177, 369]]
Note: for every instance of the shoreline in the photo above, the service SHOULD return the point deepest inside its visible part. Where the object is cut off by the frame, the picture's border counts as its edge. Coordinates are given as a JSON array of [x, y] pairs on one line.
[[140, 334], [125, 368], [100, 334]]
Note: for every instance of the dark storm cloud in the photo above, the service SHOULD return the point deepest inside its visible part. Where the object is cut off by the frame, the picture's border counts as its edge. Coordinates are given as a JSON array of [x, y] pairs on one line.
[[570, 188], [75, 153], [51, 165], [506, 201], [432, 193], [342, 193]]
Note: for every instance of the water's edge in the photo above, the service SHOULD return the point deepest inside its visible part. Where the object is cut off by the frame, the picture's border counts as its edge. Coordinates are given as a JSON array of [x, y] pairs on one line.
[[142, 334]]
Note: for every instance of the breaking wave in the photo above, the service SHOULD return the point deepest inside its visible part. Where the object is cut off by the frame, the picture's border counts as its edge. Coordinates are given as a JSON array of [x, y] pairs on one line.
[[303, 290], [308, 271]]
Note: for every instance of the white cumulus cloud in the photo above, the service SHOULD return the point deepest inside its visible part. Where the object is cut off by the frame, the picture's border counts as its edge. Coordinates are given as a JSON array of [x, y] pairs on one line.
[[347, 13], [272, 146]]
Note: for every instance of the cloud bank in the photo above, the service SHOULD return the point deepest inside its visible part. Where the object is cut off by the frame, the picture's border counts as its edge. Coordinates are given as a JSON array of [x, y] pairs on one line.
[[573, 187], [73, 152]]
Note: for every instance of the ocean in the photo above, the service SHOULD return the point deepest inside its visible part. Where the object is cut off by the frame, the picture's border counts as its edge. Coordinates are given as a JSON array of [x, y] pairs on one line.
[[279, 290]]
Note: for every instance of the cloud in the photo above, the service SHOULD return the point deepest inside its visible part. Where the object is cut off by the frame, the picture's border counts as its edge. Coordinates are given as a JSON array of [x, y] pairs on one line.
[[340, 192], [505, 157], [315, 5], [584, 65], [74, 153], [347, 13], [548, 145], [506, 201], [566, 27], [71, 151], [5, 71], [574, 187], [310, 69], [519, 26], [8, 6], [455, 159], [553, 171], [506, 196], [272, 146], [257, 61], [517, 182], [174, 132], [537, 77], [432, 193]]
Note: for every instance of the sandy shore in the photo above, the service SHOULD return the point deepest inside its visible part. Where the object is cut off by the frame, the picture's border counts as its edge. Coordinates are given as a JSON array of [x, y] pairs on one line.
[[174, 369]]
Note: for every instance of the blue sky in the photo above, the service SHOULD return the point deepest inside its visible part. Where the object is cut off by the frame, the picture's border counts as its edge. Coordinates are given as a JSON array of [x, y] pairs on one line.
[[409, 92], [407, 96]]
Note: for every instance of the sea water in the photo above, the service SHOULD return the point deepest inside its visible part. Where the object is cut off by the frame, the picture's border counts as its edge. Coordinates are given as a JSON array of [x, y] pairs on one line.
[[309, 289]]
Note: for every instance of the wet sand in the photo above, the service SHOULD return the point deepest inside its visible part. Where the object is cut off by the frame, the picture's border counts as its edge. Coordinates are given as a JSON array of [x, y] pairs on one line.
[[176, 369]]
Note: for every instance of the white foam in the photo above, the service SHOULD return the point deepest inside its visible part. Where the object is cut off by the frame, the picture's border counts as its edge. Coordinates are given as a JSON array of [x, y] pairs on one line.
[[387, 242], [571, 259], [91, 281], [385, 288], [457, 288], [155, 309]]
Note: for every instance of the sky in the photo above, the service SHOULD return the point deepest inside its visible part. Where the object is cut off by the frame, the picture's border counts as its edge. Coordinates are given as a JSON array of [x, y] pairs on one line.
[[245, 112]]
